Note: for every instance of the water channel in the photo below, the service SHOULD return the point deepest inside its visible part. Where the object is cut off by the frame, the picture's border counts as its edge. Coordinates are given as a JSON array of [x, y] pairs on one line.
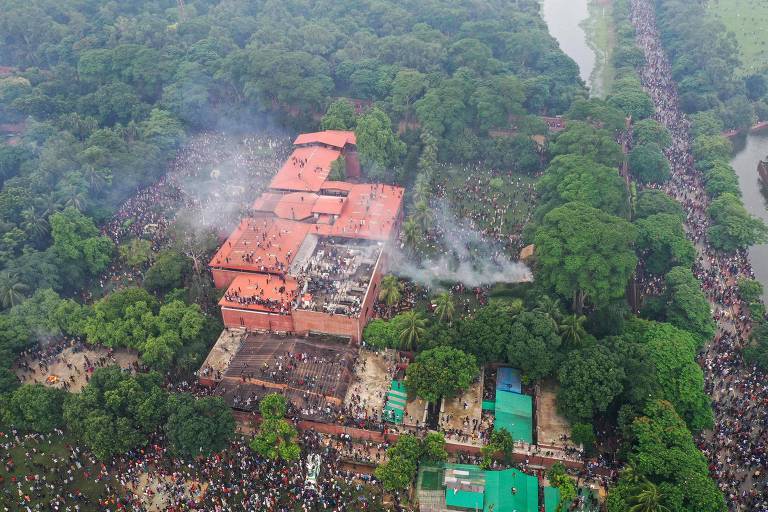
[[566, 20], [749, 150]]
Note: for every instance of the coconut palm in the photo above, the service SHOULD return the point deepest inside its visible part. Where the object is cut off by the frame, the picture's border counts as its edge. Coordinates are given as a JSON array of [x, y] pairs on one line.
[[11, 290], [413, 327], [421, 189], [75, 199], [572, 329], [411, 233], [423, 215], [550, 307], [97, 177], [389, 293], [444, 307], [34, 224], [647, 498]]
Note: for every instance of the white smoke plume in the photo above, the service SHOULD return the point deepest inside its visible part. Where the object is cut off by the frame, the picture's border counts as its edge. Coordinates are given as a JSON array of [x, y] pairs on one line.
[[468, 257]]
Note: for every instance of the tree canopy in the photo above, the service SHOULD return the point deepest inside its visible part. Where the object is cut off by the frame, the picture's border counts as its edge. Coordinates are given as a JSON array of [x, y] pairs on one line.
[[116, 412], [583, 139], [571, 178], [583, 253], [441, 372]]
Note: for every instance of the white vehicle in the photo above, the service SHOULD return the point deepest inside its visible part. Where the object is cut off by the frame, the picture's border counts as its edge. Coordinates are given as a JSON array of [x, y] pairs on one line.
[[313, 471]]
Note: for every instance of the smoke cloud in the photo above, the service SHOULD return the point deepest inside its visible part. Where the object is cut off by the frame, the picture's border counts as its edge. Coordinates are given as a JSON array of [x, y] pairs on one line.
[[468, 257]]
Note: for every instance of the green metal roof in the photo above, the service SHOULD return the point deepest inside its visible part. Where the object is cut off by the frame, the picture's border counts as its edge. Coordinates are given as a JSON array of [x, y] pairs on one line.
[[464, 499], [507, 491], [551, 499], [514, 412]]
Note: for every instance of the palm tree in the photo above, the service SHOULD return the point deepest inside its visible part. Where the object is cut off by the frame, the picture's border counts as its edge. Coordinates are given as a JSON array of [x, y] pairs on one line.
[[411, 233], [572, 329], [550, 307], [34, 224], [647, 498], [413, 328], [423, 215], [75, 199], [444, 307], [421, 189], [389, 293], [11, 290], [97, 177]]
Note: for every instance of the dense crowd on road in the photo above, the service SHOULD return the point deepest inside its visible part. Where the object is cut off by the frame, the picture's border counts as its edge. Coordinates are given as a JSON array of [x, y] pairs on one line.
[[738, 447]]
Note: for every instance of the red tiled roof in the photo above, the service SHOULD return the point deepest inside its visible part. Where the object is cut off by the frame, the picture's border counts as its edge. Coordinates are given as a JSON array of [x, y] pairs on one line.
[[296, 205], [335, 138], [331, 205], [369, 211], [279, 292], [267, 202], [261, 244], [306, 169]]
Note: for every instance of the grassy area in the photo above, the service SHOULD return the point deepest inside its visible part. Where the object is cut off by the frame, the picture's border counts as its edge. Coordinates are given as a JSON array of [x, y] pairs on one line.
[[49, 459], [602, 40], [748, 20]]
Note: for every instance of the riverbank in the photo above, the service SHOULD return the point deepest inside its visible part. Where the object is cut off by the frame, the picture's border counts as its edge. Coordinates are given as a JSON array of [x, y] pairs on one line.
[[601, 38], [759, 127]]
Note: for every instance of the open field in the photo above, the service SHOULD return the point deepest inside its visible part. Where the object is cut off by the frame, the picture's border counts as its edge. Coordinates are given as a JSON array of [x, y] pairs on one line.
[[748, 20]]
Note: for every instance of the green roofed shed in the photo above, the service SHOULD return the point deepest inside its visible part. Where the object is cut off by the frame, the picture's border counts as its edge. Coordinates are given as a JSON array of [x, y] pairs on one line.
[[511, 491], [471, 489], [551, 499], [464, 499], [514, 412]]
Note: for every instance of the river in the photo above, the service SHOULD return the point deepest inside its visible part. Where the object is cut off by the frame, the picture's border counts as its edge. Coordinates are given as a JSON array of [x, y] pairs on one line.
[[565, 20], [748, 151]]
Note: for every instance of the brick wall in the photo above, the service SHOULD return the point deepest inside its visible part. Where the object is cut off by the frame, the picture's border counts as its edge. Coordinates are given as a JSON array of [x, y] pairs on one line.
[[257, 320], [305, 321]]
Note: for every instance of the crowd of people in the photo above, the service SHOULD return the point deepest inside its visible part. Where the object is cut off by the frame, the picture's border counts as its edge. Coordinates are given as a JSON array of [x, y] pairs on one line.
[[152, 478], [497, 205], [737, 448], [209, 184]]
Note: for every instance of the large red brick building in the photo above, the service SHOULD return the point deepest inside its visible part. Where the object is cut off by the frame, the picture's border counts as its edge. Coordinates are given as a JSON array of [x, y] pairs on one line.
[[310, 257]]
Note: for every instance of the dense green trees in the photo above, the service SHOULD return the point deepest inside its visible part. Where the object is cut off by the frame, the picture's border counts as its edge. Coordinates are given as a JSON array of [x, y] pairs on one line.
[[662, 243], [583, 139], [648, 164], [167, 272], [33, 408], [652, 201], [676, 377], [577, 178], [198, 426], [732, 226], [687, 307], [533, 345], [116, 411], [589, 382], [650, 131], [277, 437], [404, 457], [663, 452], [441, 372], [585, 254], [132, 318]]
